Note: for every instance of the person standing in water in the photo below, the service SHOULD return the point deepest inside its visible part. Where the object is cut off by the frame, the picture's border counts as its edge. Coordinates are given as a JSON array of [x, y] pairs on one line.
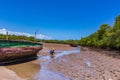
[[52, 51]]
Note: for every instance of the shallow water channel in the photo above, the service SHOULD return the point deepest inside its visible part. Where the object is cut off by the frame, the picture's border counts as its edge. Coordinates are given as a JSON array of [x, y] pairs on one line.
[[46, 74]]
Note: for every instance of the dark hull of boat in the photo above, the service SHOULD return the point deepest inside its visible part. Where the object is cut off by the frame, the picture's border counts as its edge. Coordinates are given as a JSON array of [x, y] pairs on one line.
[[7, 54], [11, 50], [73, 45]]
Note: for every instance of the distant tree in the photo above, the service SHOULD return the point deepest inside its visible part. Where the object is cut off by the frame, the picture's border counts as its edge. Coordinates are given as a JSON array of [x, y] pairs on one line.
[[105, 37]]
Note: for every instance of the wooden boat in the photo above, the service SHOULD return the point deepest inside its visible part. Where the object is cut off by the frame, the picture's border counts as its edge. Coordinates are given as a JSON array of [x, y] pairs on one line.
[[11, 50], [73, 45]]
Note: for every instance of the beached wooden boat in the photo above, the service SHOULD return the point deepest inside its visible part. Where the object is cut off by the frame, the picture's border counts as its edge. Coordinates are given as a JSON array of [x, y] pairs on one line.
[[73, 45], [11, 50]]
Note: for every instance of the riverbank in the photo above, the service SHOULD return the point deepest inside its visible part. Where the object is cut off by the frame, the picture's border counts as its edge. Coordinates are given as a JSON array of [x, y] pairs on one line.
[[108, 52], [25, 71], [58, 48], [87, 65]]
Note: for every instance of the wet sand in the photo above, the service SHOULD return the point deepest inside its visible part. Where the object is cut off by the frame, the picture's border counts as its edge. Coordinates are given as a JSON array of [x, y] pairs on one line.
[[84, 65], [25, 71], [87, 65], [7, 74], [58, 47]]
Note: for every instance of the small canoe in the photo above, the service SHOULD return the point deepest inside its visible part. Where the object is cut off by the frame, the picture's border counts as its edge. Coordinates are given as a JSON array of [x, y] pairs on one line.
[[11, 50], [73, 45]]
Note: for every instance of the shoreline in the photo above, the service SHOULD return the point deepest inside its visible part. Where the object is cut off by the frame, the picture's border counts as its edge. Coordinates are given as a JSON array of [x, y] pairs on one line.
[[25, 71], [88, 64], [110, 53]]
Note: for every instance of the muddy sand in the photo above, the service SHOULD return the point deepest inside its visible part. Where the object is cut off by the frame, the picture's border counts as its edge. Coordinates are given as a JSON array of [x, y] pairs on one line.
[[85, 64], [25, 71]]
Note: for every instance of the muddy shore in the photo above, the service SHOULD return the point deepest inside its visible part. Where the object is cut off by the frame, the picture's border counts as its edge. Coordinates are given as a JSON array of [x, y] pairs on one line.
[[108, 52], [84, 65], [58, 47], [25, 71], [87, 65]]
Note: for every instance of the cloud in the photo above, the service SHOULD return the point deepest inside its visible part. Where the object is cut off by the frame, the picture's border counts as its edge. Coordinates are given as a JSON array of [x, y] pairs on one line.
[[38, 36], [3, 31]]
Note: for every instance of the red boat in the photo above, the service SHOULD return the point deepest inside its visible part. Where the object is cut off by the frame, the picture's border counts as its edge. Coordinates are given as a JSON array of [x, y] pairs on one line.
[[11, 50]]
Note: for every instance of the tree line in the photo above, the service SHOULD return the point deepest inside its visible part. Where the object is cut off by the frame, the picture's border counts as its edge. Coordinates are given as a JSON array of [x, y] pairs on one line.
[[14, 37], [106, 37]]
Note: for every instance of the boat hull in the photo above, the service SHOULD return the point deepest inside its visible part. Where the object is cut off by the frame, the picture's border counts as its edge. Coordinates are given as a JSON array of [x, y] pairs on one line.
[[11, 50], [7, 54]]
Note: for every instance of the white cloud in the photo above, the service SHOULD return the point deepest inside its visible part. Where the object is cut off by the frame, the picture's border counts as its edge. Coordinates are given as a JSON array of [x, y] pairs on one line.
[[3, 31], [43, 36], [38, 36]]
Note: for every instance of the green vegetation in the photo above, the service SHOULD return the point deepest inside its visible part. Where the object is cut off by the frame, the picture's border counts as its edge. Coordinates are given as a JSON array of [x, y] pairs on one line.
[[22, 38], [105, 37], [61, 41], [14, 37]]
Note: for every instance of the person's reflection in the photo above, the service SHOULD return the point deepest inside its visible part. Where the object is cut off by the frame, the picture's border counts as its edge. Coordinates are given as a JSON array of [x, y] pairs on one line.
[[52, 55]]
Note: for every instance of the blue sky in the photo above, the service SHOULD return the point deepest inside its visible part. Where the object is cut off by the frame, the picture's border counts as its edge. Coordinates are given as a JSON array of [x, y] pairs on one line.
[[60, 19]]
